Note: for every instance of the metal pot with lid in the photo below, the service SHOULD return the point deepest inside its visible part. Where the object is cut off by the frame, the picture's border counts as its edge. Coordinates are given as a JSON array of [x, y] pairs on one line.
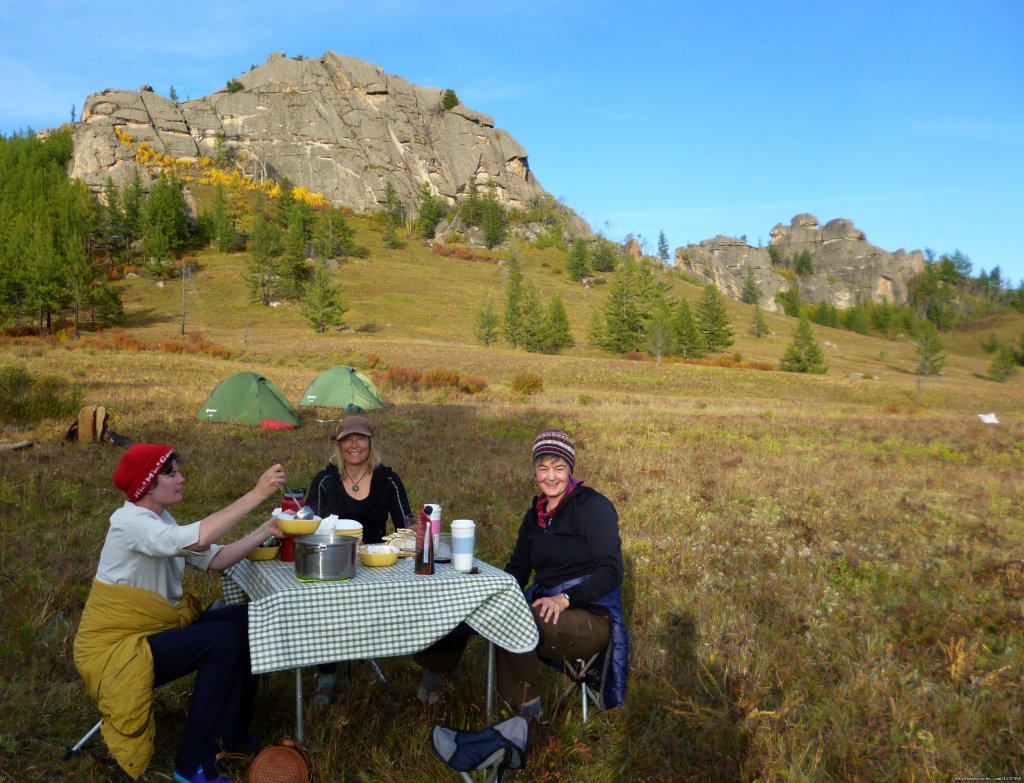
[[325, 557]]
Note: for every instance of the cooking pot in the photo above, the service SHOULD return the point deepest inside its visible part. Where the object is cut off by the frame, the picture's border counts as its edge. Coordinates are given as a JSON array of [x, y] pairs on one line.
[[325, 557]]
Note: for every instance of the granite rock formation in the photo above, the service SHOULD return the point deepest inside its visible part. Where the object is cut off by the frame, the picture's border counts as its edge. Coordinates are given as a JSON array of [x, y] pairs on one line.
[[846, 267], [335, 125]]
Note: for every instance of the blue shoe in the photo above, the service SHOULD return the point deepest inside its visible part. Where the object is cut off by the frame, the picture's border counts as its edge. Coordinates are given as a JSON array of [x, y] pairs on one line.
[[199, 777]]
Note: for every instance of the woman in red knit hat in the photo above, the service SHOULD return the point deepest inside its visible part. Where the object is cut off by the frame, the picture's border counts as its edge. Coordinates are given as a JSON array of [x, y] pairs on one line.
[[140, 629]]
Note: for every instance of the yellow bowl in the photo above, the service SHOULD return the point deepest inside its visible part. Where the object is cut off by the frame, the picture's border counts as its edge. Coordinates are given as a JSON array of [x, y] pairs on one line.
[[264, 553], [356, 534], [298, 527], [377, 558]]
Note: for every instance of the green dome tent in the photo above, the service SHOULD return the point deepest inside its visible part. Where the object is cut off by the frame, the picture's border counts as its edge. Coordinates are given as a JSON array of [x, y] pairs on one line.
[[342, 387], [249, 398]]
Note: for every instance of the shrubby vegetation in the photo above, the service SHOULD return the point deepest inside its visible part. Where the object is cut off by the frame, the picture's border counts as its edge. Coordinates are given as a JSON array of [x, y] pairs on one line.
[[25, 397]]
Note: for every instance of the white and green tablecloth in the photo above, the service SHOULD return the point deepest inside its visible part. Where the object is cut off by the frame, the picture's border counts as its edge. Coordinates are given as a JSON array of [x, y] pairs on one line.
[[381, 612]]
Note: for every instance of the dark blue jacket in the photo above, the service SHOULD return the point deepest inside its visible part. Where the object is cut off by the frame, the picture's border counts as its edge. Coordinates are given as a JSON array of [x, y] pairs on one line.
[[580, 554]]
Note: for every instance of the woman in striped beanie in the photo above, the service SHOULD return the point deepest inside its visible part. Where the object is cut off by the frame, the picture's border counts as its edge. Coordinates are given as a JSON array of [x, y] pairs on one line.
[[569, 543]]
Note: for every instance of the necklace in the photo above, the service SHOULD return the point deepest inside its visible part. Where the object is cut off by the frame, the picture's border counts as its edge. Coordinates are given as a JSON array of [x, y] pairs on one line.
[[355, 484]]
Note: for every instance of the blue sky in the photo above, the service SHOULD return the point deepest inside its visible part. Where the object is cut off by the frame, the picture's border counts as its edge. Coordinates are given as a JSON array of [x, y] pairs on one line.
[[692, 118]]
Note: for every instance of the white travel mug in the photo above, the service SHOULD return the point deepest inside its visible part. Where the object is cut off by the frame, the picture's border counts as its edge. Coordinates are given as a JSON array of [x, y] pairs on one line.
[[463, 541]]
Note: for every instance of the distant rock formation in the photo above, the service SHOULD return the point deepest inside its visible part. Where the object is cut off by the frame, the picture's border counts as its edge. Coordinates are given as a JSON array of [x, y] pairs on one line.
[[846, 267], [335, 125]]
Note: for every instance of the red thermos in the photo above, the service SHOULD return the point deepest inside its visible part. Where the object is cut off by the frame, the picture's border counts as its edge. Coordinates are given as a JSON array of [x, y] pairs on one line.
[[291, 501]]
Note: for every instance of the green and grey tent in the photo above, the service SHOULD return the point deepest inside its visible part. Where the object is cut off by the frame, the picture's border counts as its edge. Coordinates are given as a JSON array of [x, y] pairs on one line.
[[249, 398], [342, 387]]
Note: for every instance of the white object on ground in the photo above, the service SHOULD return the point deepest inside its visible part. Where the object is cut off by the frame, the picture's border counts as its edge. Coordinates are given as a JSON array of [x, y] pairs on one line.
[[988, 418]]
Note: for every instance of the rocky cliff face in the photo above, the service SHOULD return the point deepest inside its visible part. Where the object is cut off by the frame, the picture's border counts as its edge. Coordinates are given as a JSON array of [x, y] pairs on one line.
[[335, 125], [846, 267]]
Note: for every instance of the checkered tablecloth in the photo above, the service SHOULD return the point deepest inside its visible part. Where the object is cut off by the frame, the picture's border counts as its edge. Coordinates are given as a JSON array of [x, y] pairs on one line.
[[381, 612]]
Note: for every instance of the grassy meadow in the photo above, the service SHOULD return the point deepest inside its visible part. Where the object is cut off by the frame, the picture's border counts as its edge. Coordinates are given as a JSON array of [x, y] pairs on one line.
[[825, 575]]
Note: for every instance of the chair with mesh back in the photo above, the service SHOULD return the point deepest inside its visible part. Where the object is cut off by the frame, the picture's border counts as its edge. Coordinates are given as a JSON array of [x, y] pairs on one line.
[[585, 677], [493, 750]]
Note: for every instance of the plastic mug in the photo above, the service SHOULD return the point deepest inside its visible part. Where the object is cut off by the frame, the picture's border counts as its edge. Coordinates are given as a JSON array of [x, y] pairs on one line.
[[443, 553], [463, 541]]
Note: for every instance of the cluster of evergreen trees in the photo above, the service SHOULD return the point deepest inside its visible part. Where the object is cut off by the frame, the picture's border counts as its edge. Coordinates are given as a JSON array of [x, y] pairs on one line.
[[526, 323], [48, 238], [475, 209]]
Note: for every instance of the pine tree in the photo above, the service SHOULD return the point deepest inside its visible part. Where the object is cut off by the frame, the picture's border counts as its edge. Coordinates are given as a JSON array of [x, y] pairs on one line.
[[555, 332], [514, 304], [623, 320], [856, 320], [802, 264], [492, 217], [392, 217], [825, 315], [430, 213], [534, 337], [1004, 365], [803, 354], [263, 275], [712, 320], [661, 332], [578, 267], [485, 327], [662, 247], [690, 342], [603, 256], [470, 208], [751, 292], [133, 198], [332, 235], [930, 359], [758, 327], [113, 220], [322, 304], [220, 223], [789, 300], [295, 269]]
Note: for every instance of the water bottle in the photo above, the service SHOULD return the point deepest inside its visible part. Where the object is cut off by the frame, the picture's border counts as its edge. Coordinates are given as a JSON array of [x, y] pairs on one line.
[[424, 564]]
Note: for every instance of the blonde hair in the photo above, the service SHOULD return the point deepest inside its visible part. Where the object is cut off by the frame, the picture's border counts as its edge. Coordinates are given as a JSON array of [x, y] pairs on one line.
[[336, 459]]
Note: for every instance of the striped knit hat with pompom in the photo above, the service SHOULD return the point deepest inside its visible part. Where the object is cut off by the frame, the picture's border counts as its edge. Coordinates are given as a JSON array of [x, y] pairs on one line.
[[555, 443]]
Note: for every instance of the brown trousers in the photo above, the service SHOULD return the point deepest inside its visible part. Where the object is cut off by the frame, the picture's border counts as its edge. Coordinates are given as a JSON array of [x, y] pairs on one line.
[[578, 634]]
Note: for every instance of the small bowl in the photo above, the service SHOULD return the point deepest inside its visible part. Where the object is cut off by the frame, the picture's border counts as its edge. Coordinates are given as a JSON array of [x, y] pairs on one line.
[[378, 558], [298, 527], [264, 553]]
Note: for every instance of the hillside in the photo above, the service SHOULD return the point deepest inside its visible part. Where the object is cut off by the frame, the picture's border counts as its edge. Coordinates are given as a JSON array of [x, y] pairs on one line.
[[410, 306]]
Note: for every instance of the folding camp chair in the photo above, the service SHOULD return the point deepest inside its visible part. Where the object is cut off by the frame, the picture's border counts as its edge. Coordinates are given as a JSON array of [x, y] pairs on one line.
[[493, 750], [585, 677]]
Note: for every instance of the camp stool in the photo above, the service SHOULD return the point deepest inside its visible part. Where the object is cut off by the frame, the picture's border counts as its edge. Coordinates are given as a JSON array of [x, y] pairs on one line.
[[585, 677], [493, 750]]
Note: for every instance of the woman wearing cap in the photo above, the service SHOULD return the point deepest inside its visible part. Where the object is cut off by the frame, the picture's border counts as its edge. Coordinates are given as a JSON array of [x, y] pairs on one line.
[[569, 542], [355, 485], [140, 629]]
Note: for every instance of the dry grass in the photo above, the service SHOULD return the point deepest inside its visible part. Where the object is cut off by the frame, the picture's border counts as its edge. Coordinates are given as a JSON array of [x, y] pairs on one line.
[[823, 574]]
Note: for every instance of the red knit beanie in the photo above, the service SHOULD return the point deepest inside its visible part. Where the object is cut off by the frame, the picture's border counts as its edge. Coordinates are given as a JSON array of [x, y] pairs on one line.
[[139, 467]]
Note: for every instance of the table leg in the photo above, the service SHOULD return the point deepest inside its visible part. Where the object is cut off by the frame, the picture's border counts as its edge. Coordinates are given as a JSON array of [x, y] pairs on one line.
[[298, 706], [490, 681]]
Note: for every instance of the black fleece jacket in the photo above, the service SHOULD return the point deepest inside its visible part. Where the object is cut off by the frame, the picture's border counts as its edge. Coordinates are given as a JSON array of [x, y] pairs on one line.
[[327, 495], [582, 539]]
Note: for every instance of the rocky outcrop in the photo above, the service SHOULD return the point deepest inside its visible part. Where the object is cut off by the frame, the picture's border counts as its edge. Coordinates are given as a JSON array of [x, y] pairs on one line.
[[846, 267], [335, 125]]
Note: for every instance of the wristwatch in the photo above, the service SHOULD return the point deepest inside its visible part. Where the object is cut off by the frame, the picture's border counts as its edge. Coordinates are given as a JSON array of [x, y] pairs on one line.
[[568, 600]]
